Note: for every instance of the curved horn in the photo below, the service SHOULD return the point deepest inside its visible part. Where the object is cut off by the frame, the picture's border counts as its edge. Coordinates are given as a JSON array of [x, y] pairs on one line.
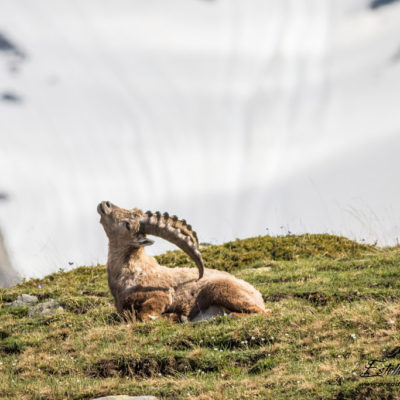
[[175, 231]]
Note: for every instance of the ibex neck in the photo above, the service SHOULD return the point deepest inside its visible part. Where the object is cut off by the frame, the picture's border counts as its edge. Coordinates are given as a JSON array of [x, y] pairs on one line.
[[120, 255], [125, 267]]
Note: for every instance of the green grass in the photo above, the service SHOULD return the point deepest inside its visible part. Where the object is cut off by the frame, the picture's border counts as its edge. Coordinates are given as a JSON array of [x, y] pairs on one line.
[[335, 306]]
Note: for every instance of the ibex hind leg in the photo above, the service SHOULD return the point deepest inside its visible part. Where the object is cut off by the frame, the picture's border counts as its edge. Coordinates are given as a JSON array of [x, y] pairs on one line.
[[230, 295]]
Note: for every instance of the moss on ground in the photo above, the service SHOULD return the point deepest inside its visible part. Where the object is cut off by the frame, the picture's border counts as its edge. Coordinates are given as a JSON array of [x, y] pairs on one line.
[[335, 306]]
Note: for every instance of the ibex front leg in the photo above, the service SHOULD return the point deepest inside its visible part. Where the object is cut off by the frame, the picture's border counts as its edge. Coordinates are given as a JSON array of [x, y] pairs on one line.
[[147, 305]]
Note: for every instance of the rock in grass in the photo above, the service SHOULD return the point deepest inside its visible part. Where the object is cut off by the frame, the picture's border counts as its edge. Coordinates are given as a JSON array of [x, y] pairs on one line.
[[123, 397], [27, 298], [43, 309], [23, 300]]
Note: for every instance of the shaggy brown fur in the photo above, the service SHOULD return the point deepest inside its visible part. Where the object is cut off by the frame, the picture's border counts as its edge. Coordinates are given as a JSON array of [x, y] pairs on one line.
[[139, 284]]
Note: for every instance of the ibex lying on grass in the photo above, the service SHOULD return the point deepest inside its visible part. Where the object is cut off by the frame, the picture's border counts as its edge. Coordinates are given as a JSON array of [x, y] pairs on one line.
[[139, 284]]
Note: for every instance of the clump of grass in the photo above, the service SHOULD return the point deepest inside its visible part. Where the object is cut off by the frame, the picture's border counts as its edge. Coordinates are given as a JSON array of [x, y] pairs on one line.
[[264, 249], [335, 305]]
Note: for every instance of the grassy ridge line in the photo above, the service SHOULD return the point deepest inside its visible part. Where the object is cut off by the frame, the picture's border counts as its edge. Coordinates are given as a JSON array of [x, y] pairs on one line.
[[254, 252], [335, 305]]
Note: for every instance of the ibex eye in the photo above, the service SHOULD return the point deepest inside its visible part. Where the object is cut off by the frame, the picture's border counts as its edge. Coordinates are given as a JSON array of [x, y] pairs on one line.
[[127, 226]]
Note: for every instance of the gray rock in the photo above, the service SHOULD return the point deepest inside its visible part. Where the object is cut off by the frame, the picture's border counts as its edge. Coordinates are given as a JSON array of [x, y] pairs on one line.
[[48, 308], [184, 318], [27, 298], [23, 301], [123, 397]]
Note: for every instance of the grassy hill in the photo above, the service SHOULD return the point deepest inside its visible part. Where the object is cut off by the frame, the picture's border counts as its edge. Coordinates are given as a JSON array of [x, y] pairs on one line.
[[335, 306]]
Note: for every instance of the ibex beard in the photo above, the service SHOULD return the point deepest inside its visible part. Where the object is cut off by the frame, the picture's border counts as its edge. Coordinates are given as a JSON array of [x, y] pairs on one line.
[[141, 286]]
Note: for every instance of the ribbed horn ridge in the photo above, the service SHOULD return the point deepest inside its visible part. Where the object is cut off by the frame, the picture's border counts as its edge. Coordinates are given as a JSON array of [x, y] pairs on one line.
[[175, 231]]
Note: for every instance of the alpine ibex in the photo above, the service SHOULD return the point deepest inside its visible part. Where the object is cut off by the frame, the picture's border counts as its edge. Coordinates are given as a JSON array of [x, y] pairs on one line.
[[140, 285]]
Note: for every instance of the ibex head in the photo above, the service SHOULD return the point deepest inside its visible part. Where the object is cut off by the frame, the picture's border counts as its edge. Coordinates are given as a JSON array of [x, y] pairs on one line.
[[122, 226], [130, 227]]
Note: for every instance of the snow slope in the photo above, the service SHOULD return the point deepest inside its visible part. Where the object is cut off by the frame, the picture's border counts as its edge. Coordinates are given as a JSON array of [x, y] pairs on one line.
[[244, 117]]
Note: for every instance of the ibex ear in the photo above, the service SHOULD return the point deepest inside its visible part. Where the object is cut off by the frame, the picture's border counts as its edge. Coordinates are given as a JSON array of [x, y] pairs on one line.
[[145, 242]]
